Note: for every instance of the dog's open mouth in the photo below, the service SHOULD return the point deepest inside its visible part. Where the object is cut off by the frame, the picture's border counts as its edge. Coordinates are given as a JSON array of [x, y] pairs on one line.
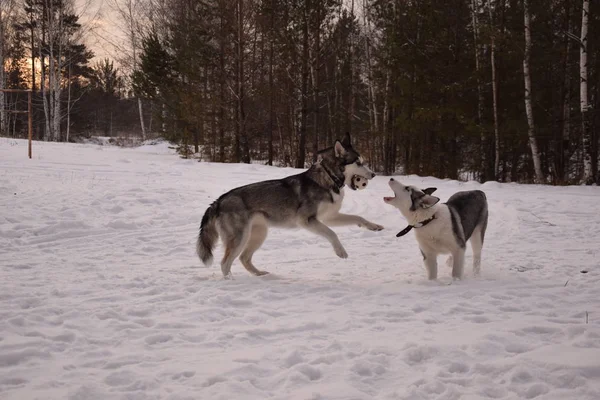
[[388, 199]]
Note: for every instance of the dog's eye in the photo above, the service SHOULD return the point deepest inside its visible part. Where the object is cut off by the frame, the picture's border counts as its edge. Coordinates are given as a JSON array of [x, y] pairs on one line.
[[358, 163], [407, 189]]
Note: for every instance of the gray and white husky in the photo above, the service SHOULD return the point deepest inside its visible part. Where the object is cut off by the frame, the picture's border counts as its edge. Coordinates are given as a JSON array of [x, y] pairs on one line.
[[310, 200], [443, 228]]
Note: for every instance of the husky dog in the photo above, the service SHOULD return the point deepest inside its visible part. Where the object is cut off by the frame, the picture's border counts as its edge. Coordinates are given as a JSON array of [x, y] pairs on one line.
[[443, 228], [310, 200]]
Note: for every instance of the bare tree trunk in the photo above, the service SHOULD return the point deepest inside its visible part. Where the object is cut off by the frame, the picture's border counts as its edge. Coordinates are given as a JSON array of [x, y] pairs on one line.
[[281, 142], [330, 124], [494, 93], [56, 71], [7, 15], [69, 105], [51, 71], [222, 72], [127, 10], [133, 32], [44, 91], [32, 34], [243, 138], [141, 113], [387, 143], [315, 70], [14, 122], [564, 147], [352, 100], [537, 165], [337, 101], [483, 145], [271, 87], [301, 155], [370, 81], [586, 128], [3, 121]]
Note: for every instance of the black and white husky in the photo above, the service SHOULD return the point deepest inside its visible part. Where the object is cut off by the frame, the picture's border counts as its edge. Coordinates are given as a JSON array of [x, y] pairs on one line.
[[443, 228], [310, 200]]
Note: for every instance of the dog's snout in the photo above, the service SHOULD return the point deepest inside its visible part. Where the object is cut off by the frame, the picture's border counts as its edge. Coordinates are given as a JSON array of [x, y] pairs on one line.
[[391, 179], [372, 174]]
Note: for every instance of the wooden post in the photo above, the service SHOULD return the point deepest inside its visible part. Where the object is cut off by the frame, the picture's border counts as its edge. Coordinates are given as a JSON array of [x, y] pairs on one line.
[[30, 120]]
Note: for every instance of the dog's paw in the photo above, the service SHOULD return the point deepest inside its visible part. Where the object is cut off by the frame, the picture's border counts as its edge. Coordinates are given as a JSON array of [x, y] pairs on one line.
[[341, 252], [373, 227], [261, 273]]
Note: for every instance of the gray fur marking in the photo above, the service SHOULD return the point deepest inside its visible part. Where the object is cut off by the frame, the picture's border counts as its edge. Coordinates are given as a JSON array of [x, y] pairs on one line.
[[471, 209]]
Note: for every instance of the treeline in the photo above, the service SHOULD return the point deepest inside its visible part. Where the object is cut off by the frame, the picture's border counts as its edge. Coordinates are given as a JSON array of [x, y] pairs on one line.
[[503, 90], [42, 48]]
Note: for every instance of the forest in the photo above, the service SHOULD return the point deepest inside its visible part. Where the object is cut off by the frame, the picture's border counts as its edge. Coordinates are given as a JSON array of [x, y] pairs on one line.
[[487, 90]]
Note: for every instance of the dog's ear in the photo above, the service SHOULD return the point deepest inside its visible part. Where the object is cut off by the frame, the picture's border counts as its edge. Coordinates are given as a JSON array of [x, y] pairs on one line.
[[339, 149], [429, 190], [428, 201], [346, 140]]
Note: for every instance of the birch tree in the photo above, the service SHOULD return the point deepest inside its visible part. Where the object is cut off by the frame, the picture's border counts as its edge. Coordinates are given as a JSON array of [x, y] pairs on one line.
[[301, 155], [586, 129], [483, 146], [50, 52], [535, 153], [494, 91], [7, 16], [242, 149], [271, 36], [564, 147], [131, 13], [372, 96], [315, 69]]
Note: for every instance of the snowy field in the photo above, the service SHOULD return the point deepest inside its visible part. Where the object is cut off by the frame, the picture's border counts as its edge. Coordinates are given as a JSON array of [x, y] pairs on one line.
[[102, 295]]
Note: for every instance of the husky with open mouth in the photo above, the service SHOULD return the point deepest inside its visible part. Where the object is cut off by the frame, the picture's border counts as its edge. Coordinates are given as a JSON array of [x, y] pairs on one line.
[[310, 200], [443, 228]]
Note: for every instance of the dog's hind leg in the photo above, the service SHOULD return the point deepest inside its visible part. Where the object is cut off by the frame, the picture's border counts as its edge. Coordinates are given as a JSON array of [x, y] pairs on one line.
[[458, 259], [477, 245], [258, 234], [234, 243]]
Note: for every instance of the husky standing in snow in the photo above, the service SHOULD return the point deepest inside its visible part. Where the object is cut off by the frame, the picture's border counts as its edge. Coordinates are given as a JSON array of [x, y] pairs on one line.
[[310, 200], [443, 228]]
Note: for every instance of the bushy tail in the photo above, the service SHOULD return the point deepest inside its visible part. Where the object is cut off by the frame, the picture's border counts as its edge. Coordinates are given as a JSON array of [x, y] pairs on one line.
[[208, 234]]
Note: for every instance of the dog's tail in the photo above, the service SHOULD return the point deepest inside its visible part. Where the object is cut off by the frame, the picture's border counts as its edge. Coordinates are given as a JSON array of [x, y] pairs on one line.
[[208, 234]]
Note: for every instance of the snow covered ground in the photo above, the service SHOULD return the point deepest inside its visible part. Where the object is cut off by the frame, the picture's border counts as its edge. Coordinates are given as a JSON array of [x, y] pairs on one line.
[[102, 296]]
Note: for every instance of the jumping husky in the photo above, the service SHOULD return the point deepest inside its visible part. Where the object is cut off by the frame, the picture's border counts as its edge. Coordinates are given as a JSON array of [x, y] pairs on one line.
[[311, 200], [443, 228]]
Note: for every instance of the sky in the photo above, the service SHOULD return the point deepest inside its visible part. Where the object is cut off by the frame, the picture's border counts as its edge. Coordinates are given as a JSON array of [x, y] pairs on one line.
[[104, 35]]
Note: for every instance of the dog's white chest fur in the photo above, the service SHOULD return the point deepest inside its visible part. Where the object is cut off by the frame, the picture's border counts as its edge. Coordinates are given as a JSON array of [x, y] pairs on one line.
[[437, 235], [330, 209]]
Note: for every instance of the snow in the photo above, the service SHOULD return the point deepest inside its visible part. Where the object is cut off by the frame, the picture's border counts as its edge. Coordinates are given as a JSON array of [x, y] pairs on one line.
[[102, 296]]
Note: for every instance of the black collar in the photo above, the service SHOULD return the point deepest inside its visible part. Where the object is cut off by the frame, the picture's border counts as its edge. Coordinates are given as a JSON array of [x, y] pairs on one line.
[[417, 225], [339, 183]]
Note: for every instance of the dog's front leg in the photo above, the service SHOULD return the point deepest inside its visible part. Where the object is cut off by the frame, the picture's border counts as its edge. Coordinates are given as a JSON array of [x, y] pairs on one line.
[[340, 219], [316, 226], [430, 260], [458, 262]]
